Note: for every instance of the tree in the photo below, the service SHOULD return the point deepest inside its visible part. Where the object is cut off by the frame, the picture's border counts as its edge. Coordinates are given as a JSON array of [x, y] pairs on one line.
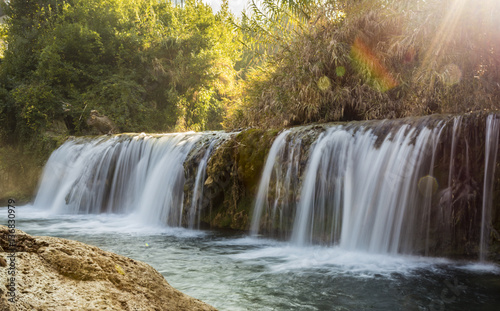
[[148, 65]]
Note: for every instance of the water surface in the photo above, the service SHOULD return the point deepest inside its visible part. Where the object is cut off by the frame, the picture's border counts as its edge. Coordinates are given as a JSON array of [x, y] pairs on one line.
[[232, 271]]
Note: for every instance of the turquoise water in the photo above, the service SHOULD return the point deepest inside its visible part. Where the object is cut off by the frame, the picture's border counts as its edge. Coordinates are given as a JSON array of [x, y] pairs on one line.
[[232, 271]]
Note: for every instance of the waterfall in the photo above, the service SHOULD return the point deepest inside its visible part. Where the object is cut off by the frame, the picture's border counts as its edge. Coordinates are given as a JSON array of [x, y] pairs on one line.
[[417, 185], [381, 186], [273, 164], [357, 187], [362, 188], [318, 188], [123, 174], [279, 185], [197, 200], [491, 149]]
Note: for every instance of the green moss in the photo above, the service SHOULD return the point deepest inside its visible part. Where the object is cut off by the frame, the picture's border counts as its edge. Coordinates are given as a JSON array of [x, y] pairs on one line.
[[245, 204], [233, 174], [225, 222], [253, 147]]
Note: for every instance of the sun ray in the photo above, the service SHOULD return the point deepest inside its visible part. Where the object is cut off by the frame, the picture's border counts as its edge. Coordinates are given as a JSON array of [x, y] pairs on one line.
[[442, 38]]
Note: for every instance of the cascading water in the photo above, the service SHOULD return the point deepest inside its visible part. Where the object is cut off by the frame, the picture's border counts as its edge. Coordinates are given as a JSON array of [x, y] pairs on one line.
[[279, 185], [491, 149], [197, 200], [373, 186], [363, 188], [274, 159], [382, 186], [355, 186], [123, 174]]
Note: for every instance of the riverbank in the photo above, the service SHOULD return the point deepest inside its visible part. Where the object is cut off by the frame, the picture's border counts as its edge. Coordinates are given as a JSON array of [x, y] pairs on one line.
[[50, 273]]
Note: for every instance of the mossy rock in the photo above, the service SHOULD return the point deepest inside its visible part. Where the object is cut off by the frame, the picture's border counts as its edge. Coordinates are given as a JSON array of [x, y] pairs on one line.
[[233, 174], [251, 154]]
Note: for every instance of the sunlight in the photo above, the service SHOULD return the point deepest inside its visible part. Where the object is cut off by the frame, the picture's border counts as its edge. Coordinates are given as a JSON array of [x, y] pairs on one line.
[[447, 34], [444, 35]]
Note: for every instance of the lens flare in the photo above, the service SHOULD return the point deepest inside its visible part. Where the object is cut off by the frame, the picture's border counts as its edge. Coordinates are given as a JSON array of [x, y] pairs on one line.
[[443, 36], [368, 64], [324, 83], [451, 74], [427, 186], [340, 71]]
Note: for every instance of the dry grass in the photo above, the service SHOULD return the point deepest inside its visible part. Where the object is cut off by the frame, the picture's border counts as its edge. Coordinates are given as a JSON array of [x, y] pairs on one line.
[[380, 61]]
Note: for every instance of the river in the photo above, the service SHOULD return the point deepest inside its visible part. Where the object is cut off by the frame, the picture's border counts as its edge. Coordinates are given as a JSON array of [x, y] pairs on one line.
[[233, 271]]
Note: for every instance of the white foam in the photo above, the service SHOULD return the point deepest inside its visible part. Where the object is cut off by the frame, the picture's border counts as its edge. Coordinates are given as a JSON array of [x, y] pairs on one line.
[[480, 267], [335, 260], [248, 241], [90, 224]]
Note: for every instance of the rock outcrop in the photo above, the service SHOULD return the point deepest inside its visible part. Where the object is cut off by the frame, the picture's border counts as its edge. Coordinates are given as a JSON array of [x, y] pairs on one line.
[[59, 274], [102, 123]]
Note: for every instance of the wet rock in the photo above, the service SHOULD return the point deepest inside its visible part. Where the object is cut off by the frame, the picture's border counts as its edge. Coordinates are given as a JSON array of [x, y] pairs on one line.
[[60, 274]]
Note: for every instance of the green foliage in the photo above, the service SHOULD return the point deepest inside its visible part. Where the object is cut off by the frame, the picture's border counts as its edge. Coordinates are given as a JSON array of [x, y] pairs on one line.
[[148, 65], [152, 65], [37, 104], [121, 99], [271, 24]]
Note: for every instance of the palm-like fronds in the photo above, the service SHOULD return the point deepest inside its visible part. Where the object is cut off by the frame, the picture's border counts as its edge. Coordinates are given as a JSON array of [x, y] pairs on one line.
[[271, 25], [382, 58]]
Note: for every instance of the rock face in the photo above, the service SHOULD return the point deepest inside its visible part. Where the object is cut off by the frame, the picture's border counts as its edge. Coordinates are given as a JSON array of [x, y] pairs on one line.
[[102, 123], [233, 174], [59, 274]]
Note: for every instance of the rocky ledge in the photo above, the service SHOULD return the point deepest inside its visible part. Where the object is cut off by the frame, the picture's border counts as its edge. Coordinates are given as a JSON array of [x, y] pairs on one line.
[[59, 274]]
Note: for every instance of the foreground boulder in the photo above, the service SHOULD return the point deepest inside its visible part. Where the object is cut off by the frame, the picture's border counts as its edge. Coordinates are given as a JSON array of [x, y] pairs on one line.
[[59, 274]]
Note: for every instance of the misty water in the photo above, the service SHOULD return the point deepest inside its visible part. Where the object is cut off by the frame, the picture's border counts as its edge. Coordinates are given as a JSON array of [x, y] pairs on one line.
[[337, 212], [233, 271]]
